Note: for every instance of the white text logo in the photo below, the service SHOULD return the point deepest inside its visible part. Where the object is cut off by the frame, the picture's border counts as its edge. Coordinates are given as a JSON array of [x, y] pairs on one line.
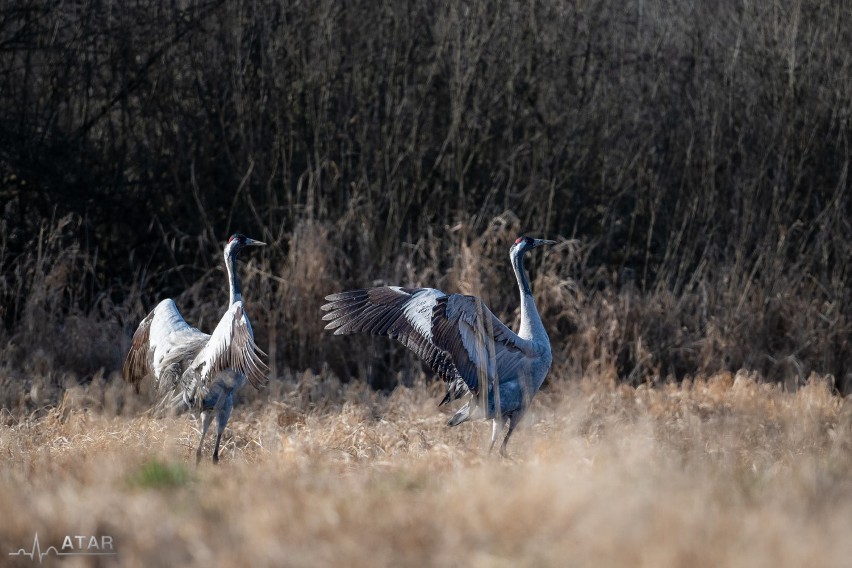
[[71, 546]]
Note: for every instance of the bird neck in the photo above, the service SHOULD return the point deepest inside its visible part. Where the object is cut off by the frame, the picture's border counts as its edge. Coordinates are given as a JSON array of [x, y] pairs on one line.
[[531, 326], [233, 279]]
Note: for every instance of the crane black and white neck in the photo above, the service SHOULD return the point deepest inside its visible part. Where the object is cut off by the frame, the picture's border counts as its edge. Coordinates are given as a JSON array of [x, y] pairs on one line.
[[461, 340], [194, 368]]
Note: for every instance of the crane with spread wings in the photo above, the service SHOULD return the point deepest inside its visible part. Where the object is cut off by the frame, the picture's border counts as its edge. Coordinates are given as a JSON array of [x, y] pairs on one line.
[[461, 340], [196, 369]]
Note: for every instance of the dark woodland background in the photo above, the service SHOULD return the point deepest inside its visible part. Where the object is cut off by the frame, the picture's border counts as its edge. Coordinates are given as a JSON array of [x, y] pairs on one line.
[[692, 158]]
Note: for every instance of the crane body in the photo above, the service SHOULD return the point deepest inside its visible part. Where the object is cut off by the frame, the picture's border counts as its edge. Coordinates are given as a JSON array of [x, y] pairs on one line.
[[461, 340], [193, 368]]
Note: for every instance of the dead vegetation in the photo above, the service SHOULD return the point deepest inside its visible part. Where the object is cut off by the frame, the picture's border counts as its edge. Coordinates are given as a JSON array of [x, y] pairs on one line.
[[724, 471]]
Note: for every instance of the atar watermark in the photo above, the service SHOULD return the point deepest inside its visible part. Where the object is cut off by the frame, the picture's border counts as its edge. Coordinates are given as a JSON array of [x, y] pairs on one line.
[[72, 545]]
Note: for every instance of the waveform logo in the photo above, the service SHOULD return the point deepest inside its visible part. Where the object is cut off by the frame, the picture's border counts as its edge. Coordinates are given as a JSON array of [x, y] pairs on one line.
[[85, 546]]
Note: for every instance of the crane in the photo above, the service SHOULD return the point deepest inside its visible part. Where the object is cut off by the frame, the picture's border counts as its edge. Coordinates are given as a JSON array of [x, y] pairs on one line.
[[198, 370], [461, 340]]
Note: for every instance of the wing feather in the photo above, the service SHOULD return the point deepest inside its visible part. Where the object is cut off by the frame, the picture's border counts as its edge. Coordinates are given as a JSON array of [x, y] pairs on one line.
[[137, 364], [403, 314], [163, 346], [483, 345], [457, 336], [231, 346]]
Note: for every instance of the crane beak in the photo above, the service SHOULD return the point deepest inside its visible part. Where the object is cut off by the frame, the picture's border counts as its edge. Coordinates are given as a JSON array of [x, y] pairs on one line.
[[538, 242], [254, 243]]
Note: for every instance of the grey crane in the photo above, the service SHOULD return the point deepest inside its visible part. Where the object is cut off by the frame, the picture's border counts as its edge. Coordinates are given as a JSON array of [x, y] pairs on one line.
[[461, 340], [194, 368]]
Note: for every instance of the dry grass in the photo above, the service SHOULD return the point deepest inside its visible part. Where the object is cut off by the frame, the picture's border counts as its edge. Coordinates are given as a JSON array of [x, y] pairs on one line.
[[722, 472]]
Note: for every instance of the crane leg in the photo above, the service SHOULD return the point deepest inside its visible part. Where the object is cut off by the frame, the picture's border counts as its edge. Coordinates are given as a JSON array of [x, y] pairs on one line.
[[513, 422], [206, 421], [222, 421], [496, 427]]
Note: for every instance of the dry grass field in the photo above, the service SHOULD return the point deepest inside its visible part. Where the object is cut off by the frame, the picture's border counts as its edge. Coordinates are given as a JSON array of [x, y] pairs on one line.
[[725, 471]]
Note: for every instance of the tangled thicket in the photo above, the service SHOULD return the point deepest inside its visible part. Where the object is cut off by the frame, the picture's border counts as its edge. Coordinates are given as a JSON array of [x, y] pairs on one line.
[[691, 157]]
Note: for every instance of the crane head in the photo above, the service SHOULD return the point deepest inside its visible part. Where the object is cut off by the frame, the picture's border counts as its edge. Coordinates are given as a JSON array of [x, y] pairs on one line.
[[238, 242], [524, 243]]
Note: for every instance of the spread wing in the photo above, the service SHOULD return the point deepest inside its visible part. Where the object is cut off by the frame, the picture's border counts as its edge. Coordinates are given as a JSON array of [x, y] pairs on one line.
[[162, 346], [231, 346], [457, 336], [137, 364], [482, 346]]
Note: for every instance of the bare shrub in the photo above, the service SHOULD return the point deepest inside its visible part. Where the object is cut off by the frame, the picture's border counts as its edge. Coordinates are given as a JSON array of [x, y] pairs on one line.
[[695, 156]]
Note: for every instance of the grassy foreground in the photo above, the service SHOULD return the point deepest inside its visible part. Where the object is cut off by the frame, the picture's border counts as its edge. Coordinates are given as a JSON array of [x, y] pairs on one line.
[[718, 472]]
